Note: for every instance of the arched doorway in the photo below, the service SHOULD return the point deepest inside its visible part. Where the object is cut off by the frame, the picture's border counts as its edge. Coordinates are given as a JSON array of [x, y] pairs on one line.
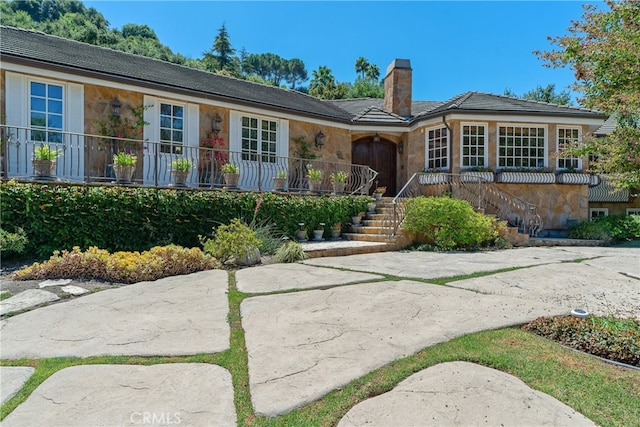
[[379, 156]]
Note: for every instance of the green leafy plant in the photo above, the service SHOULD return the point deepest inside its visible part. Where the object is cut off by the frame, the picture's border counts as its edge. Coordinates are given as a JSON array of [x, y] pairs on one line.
[[290, 252], [449, 223], [12, 243], [613, 227], [125, 127], [304, 148], [340, 177], [44, 152], [314, 174], [380, 190], [125, 159], [477, 169], [119, 267], [231, 241], [182, 164], [281, 175], [230, 168]]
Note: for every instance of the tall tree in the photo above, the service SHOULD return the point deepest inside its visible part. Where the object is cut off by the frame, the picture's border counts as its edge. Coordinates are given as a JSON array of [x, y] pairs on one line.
[[603, 49], [372, 72], [323, 84], [220, 56], [296, 72], [544, 94], [361, 66]]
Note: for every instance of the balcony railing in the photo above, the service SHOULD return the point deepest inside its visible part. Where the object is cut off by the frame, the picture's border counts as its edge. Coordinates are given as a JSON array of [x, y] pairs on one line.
[[481, 194], [89, 158]]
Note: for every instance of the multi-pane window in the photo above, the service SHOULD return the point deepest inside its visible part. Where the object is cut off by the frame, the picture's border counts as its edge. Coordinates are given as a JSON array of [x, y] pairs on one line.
[[46, 107], [171, 128], [633, 211], [474, 148], [566, 136], [596, 212], [521, 147], [437, 149], [259, 139]]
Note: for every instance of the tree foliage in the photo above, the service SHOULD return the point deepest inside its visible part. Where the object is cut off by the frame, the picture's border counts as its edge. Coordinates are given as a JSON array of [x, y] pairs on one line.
[[603, 49], [544, 94]]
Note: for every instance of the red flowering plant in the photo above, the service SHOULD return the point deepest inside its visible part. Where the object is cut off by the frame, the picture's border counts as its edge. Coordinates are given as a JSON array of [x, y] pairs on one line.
[[213, 150]]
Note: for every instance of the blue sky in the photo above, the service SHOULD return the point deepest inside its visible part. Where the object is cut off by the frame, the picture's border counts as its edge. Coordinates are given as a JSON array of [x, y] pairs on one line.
[[453, 46]]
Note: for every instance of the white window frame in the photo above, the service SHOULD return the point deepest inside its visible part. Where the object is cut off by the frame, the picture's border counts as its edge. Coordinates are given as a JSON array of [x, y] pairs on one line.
[[173, 146], [485, 135], [633, 211], [250, 155], [447, 145], [45, 128], [559, 148], [596, 212], [522, 126]]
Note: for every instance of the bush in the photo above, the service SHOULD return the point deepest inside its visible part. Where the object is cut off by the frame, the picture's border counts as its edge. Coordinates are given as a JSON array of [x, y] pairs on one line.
[[234, 240], [12, 243], [612, 339], [616, 227], [449, 223], [56, 217], [120, 267], [290, 252]]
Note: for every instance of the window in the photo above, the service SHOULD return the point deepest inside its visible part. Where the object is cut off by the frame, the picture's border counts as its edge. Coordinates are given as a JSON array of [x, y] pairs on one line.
[[46, 104], [521, 147], [633, 211], [259, 139], [437, 147], [171, 128], [565, 136], [474, 148], [596, 212]]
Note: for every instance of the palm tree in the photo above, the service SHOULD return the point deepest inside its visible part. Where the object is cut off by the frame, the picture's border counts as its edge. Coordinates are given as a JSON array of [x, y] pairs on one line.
[[361, 66], [373, 72], [321, 77]]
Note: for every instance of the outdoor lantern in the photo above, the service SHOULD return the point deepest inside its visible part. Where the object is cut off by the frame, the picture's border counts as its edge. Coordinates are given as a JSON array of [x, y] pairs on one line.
[[319, 139], [216, 123], [376, 138], [400, 148], [115, 107]]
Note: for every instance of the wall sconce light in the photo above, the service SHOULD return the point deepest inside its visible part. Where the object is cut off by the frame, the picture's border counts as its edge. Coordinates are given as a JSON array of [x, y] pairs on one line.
[[376, 138], [401, 148], [319, 139], [115, 107], [216, 124]]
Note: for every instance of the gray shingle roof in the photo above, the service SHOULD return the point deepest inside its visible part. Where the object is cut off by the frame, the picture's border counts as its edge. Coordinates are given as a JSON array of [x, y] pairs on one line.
[[81, 58], [57, 51]]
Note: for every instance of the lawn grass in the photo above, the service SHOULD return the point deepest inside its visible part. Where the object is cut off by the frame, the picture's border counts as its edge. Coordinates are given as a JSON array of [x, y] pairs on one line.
[[607, 394]]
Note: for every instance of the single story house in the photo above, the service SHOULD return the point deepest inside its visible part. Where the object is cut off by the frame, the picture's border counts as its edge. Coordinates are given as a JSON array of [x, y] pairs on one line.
[[63, 87]]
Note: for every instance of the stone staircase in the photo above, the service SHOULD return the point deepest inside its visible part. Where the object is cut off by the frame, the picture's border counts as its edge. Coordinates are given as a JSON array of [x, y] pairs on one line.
[[373, 227]]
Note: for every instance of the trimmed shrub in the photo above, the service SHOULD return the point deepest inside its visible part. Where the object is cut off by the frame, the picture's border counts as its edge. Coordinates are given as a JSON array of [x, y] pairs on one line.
[[12, 243], [602, 338], [56, 217], [449, 223], [120, 267], [234, 240], [616, 227]]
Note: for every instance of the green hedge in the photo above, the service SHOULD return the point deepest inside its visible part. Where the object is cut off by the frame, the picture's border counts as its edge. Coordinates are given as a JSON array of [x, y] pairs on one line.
[[56, 217], [616, 227]]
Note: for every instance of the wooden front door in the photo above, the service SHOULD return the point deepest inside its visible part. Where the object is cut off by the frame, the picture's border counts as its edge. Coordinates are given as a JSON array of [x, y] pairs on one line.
[[379, 156]]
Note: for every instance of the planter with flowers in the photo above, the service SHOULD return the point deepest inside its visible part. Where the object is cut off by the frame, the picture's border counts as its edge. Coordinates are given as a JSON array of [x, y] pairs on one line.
[[124, 164], [231, 174], [526, 176], [336, 229], [356, 220], [280, 181], [477, 174], [212, 157], [378, 193], [339, 181], [315, 179], [44, 161], [433, 176], [180, 169]]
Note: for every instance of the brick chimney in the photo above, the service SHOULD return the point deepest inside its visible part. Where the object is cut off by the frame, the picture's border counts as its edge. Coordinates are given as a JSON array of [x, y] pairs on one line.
[[397, 88]]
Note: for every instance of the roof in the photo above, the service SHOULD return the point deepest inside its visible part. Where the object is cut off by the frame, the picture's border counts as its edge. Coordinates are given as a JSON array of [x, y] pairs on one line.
[[608, 127], [111, 64], [73, 57]]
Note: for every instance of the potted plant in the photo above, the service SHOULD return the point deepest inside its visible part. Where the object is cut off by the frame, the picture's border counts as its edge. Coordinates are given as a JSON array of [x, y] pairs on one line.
[[44, 160], [180, 169], [378, 193], [301, 234], [476, 174], [315, 179], [371, 207], [231, 174], [280, 181], [431, 176], [357, 219], [318, 233], [339, 181], [336, 229], [124, 164]]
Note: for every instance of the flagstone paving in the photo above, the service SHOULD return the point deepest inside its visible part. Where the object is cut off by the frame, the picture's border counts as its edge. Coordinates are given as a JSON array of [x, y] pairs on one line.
[[190, 394], [173, 316], [12, 380]]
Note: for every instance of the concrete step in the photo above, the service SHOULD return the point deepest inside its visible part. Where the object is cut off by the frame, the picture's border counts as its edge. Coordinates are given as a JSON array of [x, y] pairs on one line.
[[367, 237], [367, 229], [345, 247]]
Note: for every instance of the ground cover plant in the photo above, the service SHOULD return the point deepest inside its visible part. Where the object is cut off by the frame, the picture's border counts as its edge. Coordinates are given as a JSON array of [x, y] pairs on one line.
[[610, 338], [119, 267]]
